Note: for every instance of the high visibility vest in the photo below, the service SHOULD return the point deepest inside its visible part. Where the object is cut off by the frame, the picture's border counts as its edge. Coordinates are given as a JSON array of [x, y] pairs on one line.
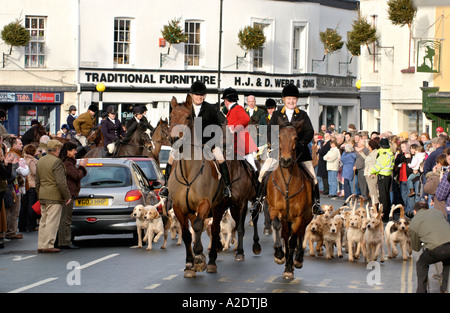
[[384, 163]]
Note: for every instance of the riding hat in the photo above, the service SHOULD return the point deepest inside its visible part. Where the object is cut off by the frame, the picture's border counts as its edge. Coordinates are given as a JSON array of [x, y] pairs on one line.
[[65, 126], [72, 108], [290, 91], [384, 143], [138, 110], [34, 122], [198, 88], [93, 108], [111, 109], [230, 94], [270, 103]]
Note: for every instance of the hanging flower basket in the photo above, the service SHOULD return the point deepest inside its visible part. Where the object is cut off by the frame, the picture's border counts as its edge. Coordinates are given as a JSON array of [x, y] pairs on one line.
[[331, 41]]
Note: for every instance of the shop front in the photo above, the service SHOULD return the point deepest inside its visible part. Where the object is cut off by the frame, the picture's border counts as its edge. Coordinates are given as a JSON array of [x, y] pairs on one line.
[[24, 106]]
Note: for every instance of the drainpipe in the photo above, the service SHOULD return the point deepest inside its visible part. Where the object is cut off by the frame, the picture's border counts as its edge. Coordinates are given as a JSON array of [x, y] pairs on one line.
[[77, 53]]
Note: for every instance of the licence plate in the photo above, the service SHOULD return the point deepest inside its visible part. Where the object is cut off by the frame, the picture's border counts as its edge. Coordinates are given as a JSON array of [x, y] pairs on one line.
[[91, 202]]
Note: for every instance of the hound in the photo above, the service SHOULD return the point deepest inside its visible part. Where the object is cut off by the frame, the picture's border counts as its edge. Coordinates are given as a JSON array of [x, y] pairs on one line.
[[397, 232], [138, 213]]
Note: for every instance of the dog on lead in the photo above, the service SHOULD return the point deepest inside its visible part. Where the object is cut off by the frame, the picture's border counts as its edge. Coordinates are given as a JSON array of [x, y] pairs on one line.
[[397, 232], [158, 225], [138, 213]]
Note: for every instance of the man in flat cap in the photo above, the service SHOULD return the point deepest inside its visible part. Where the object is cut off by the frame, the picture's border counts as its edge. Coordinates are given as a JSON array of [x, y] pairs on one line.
[[52, 190], [291, 113]]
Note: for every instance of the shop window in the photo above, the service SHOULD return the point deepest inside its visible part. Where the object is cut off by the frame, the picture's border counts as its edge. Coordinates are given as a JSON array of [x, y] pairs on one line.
[[46, 115]]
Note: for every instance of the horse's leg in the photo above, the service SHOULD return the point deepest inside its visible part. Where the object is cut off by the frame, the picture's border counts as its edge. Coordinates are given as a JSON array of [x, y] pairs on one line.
[[217, 213], [256, 246], [242, 213], [202, 214], [298, 260], [291, 245], [187, 239], [278, 254]]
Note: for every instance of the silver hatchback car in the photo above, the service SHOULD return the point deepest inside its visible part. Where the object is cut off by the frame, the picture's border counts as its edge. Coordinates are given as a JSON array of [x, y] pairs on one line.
[[109, 192]]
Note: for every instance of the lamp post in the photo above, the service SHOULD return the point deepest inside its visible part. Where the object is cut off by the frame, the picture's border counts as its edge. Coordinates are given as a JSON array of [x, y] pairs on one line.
[[100, 88]]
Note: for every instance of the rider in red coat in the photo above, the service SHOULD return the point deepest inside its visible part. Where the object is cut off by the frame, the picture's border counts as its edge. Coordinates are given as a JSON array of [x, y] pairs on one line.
[[237, 122]]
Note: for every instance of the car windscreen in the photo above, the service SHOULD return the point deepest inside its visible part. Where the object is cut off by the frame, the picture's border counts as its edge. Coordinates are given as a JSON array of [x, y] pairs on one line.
[[148, 169], [105, 175]]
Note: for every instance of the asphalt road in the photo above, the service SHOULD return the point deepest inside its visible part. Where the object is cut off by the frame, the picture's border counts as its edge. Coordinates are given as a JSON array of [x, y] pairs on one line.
[[111, 264]]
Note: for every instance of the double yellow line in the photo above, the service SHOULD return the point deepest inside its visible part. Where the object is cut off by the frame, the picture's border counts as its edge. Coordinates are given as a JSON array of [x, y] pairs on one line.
[[406, 278]]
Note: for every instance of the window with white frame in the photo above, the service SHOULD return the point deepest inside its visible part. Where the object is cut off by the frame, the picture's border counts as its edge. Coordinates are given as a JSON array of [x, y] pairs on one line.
[[122, 41], [298, 48], [258, 54], [35, 49], [192, 46]]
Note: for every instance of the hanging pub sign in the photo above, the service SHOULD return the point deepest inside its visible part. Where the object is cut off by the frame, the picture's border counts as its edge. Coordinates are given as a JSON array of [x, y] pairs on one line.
[[429, 56]]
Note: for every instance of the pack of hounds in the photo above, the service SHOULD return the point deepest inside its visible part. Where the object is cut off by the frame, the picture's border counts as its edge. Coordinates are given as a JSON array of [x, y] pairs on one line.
[[154, 225], [358, 230]]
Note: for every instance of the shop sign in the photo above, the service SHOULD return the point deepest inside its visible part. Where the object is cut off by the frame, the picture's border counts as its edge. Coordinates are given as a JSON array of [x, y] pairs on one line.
[[31, 97], [235, 80], [429, 56]]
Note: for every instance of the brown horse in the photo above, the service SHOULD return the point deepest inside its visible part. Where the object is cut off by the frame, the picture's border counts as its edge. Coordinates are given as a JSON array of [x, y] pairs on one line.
[[196, 191], [160, 137], [243, 190], [289, 195]]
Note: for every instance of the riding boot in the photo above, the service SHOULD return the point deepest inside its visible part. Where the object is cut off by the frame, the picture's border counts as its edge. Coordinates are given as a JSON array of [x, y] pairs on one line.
[[223, 167], [259, 197], [164, 191], [316, 196]]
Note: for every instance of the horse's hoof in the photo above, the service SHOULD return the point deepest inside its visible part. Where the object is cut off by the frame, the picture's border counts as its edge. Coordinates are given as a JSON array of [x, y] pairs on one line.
[[279, 261], [256, 248], [288, 276], [239, 257], [211, 268], [200, 263], [189, 274], [298, 264]]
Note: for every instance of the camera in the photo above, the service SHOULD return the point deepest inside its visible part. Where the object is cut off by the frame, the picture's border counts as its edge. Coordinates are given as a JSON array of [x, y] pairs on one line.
[[444, 169]]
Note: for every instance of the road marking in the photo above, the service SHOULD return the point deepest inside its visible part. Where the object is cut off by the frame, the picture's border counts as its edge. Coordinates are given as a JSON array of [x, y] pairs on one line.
[[406, 285], [21, 258], [98, 261], [34, 285], [324, 283], [55, 278], [153, 286], [170, 277]]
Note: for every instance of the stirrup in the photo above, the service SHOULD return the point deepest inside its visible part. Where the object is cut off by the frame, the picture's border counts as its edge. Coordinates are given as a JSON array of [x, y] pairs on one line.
[[164, 192], [257, 206], [317, 210], [227, 192]]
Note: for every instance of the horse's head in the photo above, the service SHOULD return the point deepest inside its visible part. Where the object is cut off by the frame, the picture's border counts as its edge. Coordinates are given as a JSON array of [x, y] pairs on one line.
[[287, 142], [180, 117], [164, 132]]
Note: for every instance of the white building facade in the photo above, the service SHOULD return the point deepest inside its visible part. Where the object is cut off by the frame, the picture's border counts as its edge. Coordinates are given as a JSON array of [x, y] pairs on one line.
[[391, 98], [119, 44]]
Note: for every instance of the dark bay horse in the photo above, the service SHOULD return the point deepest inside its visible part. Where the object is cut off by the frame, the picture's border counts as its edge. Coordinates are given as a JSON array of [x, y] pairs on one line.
[[196, 191], [243, 190], [139, 143], [289, 195]]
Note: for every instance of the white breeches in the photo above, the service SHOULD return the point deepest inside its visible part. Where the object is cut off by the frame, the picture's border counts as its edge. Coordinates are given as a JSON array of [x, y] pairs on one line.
[[271, 164]]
